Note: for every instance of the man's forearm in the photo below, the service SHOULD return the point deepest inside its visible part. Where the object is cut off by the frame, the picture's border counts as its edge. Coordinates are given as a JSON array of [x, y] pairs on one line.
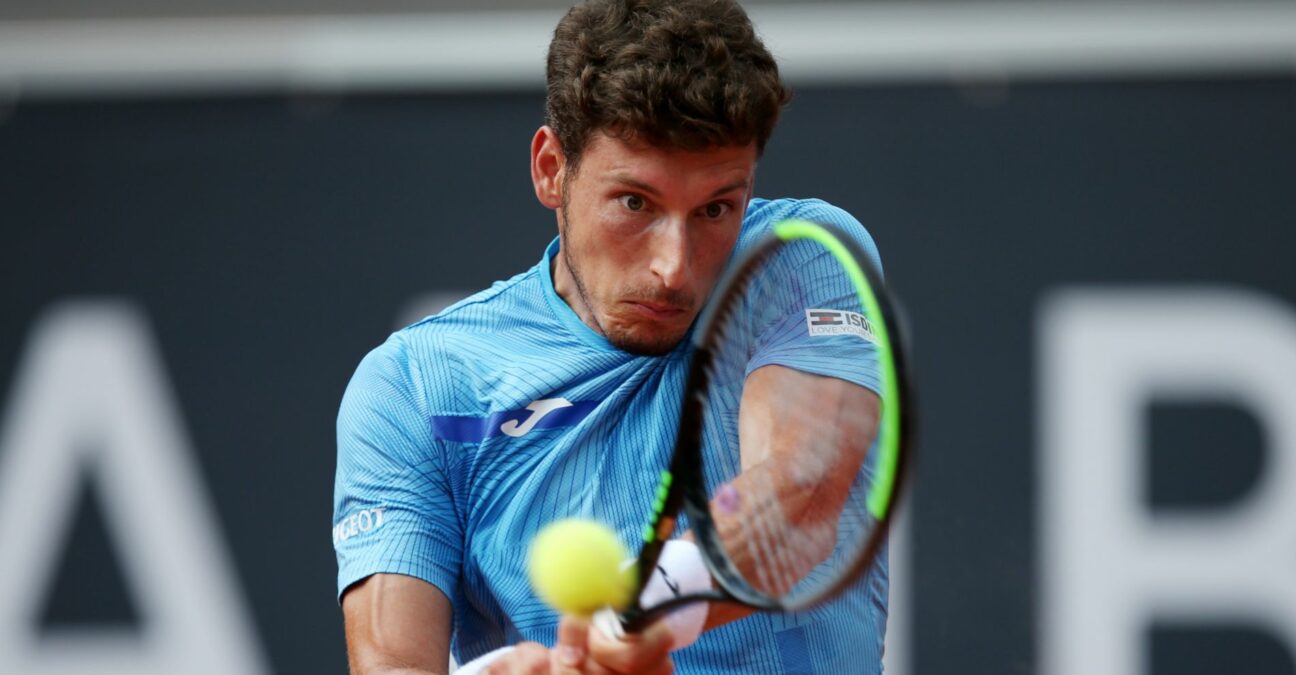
[[375, 664]]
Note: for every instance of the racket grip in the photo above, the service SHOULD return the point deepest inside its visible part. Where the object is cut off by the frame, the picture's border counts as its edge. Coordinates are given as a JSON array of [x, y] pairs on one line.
[[680, 572], [609, 623]]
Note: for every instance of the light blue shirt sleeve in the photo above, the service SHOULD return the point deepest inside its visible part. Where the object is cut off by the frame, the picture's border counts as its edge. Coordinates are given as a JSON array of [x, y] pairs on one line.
[[813, 290], [393, 506]]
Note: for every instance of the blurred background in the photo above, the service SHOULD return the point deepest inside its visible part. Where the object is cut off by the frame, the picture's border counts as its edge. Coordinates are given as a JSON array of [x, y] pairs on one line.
[[211, 211]]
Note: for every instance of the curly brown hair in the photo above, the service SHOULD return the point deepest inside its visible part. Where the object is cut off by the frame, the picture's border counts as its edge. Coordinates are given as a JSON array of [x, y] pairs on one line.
[[685, 74]]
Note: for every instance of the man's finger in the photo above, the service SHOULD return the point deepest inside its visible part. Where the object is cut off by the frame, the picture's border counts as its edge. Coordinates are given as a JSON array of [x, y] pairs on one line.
[[527, 658], [635, 653], [573, 637]]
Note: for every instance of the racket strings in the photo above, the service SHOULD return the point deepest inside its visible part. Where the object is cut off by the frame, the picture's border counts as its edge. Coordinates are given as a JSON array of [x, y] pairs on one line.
[[791, 547], [783, 549], [766, 525], [787, 529], [753, 542]]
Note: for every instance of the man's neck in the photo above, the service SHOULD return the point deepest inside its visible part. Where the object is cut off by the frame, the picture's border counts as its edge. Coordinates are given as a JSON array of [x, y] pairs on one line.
[[567, 288]]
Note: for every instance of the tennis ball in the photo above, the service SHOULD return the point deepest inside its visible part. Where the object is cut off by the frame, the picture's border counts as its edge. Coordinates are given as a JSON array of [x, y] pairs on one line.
[[575, 565]]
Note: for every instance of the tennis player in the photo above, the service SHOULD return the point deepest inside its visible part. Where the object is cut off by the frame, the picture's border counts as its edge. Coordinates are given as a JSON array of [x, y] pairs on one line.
[[556, 393]]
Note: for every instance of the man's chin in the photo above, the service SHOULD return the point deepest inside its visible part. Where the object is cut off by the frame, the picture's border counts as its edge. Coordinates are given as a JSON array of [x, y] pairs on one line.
[[644, 343]]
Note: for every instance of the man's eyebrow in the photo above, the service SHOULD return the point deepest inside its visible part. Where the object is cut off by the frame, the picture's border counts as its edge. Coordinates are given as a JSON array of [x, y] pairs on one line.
[[740, 183], [636, 184], [644, 187]]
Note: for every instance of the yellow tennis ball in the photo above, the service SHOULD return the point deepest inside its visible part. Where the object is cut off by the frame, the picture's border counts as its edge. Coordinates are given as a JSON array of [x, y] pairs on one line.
[[575, 565]]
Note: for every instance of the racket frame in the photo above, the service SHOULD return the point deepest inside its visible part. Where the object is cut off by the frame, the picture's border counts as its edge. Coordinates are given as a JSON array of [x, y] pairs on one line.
[[683, 485]]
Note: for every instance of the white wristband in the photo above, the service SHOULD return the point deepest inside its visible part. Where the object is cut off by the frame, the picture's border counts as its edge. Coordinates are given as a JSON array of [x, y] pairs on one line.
[[680, 571], [479, 664]]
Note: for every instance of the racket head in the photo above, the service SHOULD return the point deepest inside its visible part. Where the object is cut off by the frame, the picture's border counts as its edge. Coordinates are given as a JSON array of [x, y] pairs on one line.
[[859, 325], [810, 293]]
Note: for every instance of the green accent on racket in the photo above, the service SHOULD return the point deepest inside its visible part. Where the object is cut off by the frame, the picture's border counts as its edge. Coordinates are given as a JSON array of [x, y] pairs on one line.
[[663, 490]]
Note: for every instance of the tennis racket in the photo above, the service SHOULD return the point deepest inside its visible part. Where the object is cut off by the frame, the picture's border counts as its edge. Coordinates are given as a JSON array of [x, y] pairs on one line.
[[785, 528]]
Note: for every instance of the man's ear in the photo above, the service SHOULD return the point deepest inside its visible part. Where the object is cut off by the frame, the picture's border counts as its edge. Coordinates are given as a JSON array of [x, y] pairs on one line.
[[548, 164]]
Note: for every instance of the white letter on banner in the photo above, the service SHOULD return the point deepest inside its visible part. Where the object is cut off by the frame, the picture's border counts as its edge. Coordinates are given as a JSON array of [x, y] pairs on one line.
[[1109, 567], [91, 398]]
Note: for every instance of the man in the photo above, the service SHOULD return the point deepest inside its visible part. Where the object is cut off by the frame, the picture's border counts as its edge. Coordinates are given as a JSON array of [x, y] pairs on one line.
[[556, 393]]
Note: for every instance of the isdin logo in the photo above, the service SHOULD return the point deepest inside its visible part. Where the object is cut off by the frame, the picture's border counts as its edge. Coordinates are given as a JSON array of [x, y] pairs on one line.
[[838, 322]]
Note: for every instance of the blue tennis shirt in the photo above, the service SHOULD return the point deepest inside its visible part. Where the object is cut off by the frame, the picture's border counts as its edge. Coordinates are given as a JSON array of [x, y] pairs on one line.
[[465, 433]]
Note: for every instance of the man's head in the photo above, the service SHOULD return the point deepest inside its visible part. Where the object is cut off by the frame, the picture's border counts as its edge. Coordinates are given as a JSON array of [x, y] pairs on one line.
[[657, 111]]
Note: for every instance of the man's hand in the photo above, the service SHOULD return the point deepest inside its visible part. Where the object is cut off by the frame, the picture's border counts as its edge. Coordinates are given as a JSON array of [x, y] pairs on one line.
[[584, 650]]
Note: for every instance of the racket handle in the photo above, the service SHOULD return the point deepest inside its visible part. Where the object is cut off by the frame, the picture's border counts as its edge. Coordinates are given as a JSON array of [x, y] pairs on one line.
[[609, 623], [680, 572], [685, 624]]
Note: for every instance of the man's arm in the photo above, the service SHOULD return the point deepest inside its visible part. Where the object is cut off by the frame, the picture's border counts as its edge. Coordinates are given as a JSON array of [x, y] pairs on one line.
[[804, 437], [837, 419], [397, 625]]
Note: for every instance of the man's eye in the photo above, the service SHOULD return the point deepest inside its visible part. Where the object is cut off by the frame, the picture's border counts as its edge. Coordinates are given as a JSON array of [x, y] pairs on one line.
[[632, 202], [716, 209]]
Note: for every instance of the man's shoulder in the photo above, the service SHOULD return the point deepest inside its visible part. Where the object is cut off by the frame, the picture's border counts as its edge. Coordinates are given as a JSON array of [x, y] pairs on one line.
[[463, 359], [763, 214], [518, 299]]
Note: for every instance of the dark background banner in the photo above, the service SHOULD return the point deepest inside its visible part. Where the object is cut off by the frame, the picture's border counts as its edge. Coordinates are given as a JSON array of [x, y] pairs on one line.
[[269, 242]]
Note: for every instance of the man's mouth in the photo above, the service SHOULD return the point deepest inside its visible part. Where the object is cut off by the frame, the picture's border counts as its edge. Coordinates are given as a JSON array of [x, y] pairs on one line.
[[658, 311]]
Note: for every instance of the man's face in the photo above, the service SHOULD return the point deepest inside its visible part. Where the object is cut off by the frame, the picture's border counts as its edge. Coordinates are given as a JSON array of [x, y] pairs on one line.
[[645, 234]]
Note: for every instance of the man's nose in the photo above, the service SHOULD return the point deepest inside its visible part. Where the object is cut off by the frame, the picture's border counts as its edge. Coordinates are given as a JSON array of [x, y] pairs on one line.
[[670, 261]]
